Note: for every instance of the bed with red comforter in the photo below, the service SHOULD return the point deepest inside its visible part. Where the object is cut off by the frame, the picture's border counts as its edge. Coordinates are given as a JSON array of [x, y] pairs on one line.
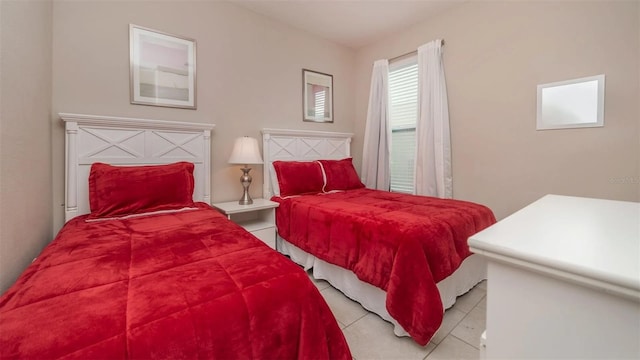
[[189, 284], [403, 244]]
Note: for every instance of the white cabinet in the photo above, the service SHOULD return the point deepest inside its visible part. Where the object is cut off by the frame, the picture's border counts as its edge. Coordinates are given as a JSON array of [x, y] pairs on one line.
[[258, 218], [563, 280]]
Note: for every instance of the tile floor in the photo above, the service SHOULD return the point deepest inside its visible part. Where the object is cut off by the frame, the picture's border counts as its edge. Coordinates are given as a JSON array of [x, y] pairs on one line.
[[370, 337]]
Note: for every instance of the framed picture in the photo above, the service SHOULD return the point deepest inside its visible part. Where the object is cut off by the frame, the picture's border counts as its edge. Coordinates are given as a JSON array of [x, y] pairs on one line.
[[575, 103], [317, 96], [163, 68]]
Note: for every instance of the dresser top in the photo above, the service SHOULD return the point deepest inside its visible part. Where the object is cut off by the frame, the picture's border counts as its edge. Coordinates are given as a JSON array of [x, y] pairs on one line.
[[592, 240]]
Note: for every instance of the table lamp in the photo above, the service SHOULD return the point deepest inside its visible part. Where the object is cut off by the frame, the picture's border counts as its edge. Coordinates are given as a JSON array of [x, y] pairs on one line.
[[245, 152]]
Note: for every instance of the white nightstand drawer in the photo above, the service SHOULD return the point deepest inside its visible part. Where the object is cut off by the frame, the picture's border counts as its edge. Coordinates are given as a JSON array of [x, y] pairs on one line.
[[268, 236]]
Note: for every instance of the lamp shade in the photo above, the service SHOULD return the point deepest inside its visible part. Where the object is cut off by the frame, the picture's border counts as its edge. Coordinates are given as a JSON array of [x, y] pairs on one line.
[[245, 151]]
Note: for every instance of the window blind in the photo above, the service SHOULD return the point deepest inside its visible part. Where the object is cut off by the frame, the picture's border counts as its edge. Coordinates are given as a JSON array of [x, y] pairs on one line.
[[403, 114], [319, 108]]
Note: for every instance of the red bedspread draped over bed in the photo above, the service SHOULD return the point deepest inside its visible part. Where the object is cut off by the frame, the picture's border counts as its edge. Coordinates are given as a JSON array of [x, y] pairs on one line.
[[186, 285], [403, 244]]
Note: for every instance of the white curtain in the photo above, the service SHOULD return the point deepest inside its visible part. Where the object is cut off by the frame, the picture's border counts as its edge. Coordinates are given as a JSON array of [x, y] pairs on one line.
[[433, 140], [375, 156]]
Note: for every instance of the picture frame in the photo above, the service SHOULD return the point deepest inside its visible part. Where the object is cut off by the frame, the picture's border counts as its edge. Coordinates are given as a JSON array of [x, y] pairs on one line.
[[317, 96], [163, 68], [575, 103]]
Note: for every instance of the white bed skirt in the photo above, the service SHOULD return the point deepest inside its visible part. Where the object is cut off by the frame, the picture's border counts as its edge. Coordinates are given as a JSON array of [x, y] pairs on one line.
[[472, 270]]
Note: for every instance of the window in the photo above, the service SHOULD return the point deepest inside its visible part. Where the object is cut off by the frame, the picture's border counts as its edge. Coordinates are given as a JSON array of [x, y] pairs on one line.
[[403, 114]]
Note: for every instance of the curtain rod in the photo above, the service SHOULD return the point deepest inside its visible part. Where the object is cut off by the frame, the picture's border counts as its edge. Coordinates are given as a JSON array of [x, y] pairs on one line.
[[411, 53]]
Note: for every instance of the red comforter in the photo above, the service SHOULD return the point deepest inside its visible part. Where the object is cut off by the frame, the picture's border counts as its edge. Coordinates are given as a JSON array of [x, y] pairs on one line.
[[403, 244], [186, 285]]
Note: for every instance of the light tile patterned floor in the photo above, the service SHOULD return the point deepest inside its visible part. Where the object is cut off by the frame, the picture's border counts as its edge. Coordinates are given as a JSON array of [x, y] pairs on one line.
[[370, 337]]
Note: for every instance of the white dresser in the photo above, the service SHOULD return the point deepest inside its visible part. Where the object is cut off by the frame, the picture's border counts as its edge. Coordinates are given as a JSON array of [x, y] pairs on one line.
[[563, 280]]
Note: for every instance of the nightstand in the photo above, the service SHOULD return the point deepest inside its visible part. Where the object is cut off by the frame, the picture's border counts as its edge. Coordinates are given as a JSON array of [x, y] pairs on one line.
[[258, 218]]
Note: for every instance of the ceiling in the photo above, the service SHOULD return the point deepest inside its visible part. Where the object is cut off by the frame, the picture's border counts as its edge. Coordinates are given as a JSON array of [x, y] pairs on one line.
[[353, 23]]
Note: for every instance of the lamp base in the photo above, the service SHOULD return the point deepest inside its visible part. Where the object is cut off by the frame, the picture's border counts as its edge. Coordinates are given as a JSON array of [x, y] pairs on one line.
[[245, 180]]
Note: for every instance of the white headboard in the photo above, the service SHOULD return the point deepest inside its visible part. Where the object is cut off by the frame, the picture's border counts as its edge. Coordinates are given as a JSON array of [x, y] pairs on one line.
[[300, 145], [126, 141]]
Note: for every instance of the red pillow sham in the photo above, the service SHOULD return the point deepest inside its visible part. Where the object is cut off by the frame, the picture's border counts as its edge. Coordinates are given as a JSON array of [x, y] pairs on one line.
[[299, 177], [341, 175], [125, 190]]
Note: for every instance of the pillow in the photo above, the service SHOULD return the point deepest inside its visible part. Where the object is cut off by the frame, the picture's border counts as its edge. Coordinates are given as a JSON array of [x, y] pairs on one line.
[[340, 174], [299, 177], [125, 190]]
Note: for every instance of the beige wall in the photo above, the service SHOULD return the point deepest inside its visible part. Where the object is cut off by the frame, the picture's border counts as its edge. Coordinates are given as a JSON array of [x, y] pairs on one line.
[[495, 55], [249, 75], [25, 134]]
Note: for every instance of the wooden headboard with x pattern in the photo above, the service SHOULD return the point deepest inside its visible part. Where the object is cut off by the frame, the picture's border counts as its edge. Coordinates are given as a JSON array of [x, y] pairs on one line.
[[128, 141], [300, 145]]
